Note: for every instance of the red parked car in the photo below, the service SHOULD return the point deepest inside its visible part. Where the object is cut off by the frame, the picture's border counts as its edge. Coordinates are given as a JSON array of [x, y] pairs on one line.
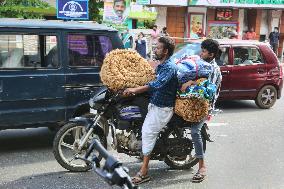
[[250, 70]]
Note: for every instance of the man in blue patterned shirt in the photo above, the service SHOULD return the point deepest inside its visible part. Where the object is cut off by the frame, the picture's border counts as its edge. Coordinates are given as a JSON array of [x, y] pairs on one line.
[[160, 110]]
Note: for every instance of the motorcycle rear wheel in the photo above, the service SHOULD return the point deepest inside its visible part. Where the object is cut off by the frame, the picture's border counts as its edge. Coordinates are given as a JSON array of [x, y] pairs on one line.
[[67, 140], [181, 162]]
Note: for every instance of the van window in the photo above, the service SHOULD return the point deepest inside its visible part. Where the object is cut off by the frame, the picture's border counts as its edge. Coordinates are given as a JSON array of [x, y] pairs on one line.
[[87, 50], [247, 56], [28, 51]]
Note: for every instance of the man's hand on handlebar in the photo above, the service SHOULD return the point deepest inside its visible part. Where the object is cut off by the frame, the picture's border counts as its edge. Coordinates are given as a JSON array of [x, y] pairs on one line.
[[129, 92], [134, 91]]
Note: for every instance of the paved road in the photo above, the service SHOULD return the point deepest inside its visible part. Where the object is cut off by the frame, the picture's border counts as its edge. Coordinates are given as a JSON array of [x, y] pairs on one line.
[[247, 153]]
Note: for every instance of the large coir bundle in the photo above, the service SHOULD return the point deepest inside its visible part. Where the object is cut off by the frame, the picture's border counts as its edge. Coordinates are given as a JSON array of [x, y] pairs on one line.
[[125, 68], [191, 108]]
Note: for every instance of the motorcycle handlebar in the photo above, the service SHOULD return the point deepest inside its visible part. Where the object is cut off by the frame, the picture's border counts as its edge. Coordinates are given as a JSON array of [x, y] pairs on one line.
[[112, 172], [98, 146]]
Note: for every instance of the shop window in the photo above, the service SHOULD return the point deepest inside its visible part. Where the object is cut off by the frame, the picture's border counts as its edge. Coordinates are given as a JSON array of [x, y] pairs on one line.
[[87, 50], [28, 51], [247, 56]]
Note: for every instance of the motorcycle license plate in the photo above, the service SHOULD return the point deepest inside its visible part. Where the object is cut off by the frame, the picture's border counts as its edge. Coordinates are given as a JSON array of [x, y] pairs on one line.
[[93, 111]]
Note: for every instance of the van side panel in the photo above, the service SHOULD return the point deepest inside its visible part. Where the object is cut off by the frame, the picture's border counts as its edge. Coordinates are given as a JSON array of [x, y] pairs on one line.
[[32, 95]]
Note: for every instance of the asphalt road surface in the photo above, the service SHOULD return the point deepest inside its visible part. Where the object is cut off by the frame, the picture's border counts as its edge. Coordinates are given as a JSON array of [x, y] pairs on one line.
[[247, 153]]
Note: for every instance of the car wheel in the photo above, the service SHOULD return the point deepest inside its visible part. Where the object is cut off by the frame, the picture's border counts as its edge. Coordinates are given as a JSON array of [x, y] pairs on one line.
[[266, 97]]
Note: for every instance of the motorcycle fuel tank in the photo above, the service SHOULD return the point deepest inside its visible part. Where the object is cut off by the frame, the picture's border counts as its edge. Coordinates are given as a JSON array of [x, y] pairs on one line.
[[130, 113]]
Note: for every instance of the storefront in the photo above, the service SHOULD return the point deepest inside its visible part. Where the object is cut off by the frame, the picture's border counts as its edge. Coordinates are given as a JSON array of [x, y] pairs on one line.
[[219, 18], [172, 14], [223, 17]]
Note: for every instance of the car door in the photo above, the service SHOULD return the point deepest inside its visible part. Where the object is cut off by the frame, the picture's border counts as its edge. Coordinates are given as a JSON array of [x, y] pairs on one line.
[[85, 54], [248, 72], [223, 60], [31, 77]]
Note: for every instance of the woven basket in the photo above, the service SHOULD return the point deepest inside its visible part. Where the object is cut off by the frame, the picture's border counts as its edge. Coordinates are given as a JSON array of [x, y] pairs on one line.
[[192, 109]]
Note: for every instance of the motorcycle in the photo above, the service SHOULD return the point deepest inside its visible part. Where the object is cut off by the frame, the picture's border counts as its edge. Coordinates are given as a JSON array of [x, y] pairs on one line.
[[117, 121]]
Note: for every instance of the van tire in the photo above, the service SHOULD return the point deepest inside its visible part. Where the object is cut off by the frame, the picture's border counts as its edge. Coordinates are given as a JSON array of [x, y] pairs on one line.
[[266, 97]]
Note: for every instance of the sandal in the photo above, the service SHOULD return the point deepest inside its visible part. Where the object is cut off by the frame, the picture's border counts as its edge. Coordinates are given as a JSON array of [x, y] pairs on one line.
[[139, 178], [198, 177]]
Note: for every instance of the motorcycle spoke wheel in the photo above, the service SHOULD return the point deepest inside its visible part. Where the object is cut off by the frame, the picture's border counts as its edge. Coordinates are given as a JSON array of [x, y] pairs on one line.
[[68, 146], [181, 162]]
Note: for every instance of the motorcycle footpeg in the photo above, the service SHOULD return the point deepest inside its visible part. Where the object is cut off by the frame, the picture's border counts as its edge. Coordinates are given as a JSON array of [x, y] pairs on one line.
[[209, 138]]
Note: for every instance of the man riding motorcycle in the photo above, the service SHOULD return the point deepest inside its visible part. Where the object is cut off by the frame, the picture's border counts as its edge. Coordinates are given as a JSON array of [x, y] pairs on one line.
[[162, 101]]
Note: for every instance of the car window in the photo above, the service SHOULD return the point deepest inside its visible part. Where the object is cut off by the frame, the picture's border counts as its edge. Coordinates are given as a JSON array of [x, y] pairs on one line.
[[87, 50], [222, 58], [28, 51], [247, 56]]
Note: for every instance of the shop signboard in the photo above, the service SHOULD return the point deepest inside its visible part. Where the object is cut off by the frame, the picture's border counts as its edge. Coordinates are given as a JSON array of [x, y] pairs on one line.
[[224, 14], [239, 3], [72, 9], [221, 29], [116, 12], [143, 2], [140, 12], [196, 25]]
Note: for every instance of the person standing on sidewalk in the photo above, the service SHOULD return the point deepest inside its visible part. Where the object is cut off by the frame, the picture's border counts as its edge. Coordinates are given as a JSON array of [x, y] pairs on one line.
[[155, 34], [274, 40], [140, 45], [161, 108], [210, 49], [164, 32], [250, 35]]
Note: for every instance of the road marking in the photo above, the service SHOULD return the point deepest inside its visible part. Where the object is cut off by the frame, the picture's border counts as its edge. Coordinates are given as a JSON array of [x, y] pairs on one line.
[[221, 135], [217, 124]]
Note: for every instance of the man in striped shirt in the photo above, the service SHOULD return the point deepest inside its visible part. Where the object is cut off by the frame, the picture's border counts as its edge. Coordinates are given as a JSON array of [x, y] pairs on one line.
[[209, 50]]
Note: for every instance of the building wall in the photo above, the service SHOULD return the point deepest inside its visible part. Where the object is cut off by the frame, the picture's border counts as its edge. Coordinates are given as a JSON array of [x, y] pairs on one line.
[[241, 22], [176, 22], [264, 27], [161, 20], [255, 20], [281, 42]]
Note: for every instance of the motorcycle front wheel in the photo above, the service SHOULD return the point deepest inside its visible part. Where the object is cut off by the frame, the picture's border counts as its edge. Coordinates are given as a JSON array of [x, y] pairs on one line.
[[66, 143], [184, 162]]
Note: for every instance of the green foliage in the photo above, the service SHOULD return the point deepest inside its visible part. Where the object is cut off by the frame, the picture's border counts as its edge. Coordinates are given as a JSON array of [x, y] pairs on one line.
[[95, 7], [25, 3], [25, 9], [149, 24]]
